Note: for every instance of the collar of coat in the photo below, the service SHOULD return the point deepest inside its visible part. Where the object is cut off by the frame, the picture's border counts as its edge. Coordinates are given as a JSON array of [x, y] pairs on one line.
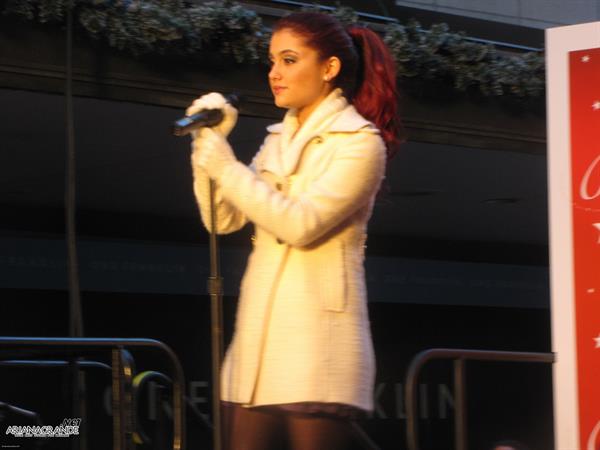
[[333, 115]]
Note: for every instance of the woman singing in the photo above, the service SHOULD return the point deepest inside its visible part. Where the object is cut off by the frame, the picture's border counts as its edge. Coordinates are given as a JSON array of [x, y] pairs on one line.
[[300, 366]]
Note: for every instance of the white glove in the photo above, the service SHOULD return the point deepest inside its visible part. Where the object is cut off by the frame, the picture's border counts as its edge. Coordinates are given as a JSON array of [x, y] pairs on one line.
[[211, 152], [214, 100]]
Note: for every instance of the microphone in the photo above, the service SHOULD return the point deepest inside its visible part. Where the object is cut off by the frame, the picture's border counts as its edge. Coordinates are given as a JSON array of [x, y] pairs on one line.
[[203, 118]]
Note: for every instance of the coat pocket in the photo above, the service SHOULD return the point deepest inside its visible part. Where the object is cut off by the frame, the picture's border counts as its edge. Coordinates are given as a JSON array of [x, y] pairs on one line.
[[332, 278]]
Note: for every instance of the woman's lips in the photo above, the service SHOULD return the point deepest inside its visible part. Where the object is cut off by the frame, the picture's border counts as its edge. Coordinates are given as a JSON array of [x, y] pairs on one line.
[[277, 90]]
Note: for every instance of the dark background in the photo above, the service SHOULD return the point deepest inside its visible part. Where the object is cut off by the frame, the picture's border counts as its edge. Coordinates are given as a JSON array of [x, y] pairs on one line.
[[457, 249], [506, 400]]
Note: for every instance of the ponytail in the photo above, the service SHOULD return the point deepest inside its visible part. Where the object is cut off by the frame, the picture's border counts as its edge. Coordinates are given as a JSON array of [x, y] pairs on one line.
[[375, 95]]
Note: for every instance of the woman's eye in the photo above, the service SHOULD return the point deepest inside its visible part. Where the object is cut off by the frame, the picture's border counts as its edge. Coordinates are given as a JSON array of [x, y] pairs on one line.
[[289, 60]]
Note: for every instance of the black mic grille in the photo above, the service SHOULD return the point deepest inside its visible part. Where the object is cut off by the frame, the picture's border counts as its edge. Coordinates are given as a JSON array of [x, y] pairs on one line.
[[205, 118]]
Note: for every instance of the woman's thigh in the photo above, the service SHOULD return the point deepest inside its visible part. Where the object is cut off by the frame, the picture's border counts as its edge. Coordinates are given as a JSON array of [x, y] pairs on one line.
[[252, 429], [274, 429], [318, 433]]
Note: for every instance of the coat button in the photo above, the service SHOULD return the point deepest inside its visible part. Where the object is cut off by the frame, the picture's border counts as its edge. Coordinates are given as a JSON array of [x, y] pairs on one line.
[[318, 140], [278, 186], [279, 241]]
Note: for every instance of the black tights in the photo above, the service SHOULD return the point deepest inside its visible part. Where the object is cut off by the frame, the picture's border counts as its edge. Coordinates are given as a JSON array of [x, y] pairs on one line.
[[266, 429]]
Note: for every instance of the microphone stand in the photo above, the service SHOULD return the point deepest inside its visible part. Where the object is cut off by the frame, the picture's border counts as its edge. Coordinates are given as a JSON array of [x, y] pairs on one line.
[[215, 290], [181, 127]]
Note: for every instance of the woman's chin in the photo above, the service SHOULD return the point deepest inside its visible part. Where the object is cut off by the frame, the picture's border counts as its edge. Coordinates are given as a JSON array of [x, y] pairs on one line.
[[280, 103]]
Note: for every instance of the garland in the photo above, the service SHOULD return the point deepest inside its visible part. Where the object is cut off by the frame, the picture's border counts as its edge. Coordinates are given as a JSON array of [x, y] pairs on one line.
[[226, 30]]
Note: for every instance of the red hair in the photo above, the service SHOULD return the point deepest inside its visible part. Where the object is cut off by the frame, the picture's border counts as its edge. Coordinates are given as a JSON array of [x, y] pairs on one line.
[[367, 76]]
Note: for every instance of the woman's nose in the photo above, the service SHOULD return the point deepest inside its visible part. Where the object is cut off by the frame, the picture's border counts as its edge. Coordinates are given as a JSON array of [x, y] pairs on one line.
[[274, 73]]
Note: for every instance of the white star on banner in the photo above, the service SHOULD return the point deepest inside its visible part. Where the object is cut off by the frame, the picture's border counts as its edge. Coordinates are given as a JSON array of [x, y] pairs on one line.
[[597, 226], [597, 339], [596, 105], [585, 58], [591, 291]]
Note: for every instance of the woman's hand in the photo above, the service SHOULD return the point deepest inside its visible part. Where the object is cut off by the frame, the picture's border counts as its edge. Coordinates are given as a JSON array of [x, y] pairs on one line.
[[211, 152], [214, 100]]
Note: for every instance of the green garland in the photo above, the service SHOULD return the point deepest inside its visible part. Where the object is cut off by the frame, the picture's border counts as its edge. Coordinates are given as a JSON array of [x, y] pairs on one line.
[[439, 55], [225, 29], [157, 26]]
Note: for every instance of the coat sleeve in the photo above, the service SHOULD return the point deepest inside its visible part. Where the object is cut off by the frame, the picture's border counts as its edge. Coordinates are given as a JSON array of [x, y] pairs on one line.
[[352, 178], [228, 217]]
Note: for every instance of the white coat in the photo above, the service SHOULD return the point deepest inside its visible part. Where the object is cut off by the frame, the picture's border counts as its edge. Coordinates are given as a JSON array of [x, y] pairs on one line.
[[302, 330]]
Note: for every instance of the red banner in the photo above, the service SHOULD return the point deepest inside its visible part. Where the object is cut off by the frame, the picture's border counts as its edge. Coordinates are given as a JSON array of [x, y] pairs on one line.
[[584, 71]]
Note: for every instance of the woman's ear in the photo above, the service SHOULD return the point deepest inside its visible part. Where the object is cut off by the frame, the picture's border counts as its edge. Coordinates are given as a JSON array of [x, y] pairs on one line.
[[333, 65]]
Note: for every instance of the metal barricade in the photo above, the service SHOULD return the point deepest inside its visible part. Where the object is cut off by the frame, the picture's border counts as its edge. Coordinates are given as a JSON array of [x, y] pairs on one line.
[[460, 356], [13, 350]]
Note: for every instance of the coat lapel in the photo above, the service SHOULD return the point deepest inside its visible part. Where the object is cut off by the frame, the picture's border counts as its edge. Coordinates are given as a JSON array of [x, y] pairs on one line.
[[332, 115], [319, 120]]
